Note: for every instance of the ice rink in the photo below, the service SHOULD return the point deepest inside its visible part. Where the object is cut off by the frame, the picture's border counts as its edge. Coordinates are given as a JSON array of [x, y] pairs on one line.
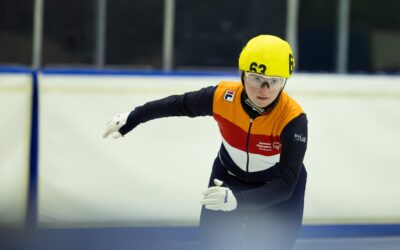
[[116, 194]]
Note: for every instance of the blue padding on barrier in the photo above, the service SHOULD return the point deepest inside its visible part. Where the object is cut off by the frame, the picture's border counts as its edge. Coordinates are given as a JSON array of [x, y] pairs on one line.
[[15, 70], [78, 71], [192, 233], [136, 72], [334, 231], [128, 72], [184, 238]]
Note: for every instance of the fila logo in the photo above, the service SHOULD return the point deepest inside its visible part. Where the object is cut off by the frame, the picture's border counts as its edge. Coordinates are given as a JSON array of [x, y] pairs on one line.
[[229, 95]]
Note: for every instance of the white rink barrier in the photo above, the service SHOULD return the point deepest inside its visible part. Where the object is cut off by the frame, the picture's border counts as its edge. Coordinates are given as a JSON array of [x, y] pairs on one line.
[[155, 175], [15, 110]]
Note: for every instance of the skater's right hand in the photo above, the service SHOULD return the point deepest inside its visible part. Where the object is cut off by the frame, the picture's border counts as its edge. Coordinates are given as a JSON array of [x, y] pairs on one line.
[[115, 124], [219, 198]]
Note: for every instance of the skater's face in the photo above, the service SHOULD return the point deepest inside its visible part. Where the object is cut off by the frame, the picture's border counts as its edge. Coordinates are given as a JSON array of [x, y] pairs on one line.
[[262, 90]]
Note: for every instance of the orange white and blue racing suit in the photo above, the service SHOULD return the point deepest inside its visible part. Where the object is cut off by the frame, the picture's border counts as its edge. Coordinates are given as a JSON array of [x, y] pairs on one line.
[[260, 160]]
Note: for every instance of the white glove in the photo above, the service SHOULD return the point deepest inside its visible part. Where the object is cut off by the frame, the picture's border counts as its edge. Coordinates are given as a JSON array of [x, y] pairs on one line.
[[219, 198], [115, 124]]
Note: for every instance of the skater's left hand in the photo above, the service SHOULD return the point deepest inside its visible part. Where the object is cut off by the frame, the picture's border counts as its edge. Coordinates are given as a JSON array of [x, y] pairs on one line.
[[115, 124], [219, 198]]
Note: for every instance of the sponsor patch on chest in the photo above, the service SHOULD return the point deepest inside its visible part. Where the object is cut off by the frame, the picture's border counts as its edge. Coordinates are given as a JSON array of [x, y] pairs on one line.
[[269, 146], [229, 95]]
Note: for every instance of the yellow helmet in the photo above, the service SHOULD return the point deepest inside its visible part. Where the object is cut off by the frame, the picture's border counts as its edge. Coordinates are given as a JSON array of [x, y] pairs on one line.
[[268, 55]]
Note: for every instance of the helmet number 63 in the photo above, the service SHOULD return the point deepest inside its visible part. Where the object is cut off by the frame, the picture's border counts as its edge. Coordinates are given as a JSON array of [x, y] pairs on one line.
[[261, 68]]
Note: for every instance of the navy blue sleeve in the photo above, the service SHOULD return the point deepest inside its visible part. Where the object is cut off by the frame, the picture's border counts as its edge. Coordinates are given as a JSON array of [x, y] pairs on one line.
[[294, 145], [191, 104]]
